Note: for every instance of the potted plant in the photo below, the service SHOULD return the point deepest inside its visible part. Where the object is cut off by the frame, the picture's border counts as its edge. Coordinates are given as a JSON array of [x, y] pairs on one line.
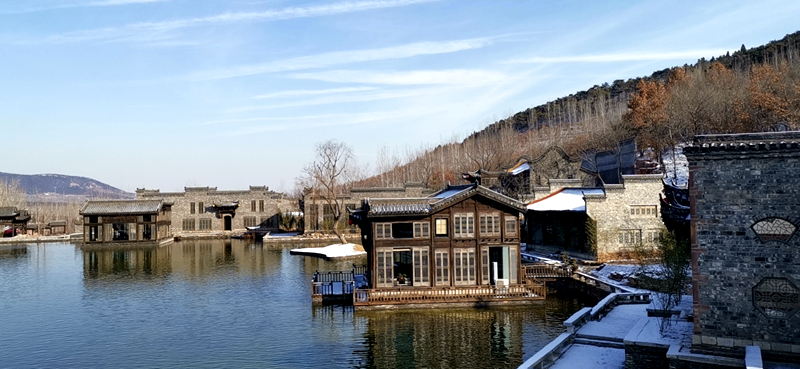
[[401, 278]]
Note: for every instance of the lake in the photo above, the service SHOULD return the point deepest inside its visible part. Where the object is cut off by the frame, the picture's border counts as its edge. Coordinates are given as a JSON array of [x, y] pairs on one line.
[[234, 304]]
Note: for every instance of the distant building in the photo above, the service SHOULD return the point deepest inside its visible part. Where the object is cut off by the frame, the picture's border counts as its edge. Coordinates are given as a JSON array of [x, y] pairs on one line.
[[122, 221], [745, 215], [319, 216], [203, 210], [598, 223], [13, 221]]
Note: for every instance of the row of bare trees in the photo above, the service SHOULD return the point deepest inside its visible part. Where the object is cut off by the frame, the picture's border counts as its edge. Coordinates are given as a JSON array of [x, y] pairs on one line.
[[42, 212]]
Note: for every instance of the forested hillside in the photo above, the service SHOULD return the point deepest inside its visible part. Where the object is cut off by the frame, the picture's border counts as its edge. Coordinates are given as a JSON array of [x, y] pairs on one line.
[[754, 89]]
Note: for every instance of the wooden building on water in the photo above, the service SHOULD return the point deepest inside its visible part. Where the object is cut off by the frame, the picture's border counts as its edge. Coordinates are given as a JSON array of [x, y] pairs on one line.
[[458, 246], [123, 221]]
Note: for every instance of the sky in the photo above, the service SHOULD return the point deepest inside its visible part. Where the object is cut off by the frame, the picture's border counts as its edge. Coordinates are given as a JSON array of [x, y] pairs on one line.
[[163, 94]]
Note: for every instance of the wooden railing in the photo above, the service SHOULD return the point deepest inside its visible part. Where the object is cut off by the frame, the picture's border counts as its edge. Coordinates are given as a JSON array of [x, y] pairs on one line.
[[424, 295], [338, 283], [332, 288], [542, 271]]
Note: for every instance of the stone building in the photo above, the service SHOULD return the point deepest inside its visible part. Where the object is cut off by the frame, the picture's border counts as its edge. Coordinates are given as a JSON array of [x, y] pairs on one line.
[[595, 222], [206, 210], [319, 217], [745, 212]]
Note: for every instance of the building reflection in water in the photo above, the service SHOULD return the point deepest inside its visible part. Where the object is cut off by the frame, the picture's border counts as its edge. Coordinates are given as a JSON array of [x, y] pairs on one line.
[[14, 251], [190, 258], [447, 338], [459, 338]]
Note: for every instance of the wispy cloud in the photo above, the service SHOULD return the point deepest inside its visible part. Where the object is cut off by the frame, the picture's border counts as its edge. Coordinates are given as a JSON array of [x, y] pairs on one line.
[[351, 98], [147, 31], [330, 120], [84, 4], [619, 57], [347, 57], [300, 93], [416, 77]]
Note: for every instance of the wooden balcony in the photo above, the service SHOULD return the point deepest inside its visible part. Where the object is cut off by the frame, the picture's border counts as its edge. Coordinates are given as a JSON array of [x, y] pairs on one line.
[[444, 295]]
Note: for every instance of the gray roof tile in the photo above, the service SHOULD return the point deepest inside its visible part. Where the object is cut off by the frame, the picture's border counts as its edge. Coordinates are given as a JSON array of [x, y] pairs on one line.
[[121, 207]]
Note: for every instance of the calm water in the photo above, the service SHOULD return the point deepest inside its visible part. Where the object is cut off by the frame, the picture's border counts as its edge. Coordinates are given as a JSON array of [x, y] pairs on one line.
[[233, 304]]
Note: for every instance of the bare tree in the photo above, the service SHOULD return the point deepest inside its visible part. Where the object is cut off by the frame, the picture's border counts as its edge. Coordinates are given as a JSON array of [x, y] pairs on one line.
[[328, 176]]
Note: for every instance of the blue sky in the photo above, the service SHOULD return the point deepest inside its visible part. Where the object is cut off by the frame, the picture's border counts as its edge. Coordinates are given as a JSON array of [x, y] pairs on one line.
[[164, 94]]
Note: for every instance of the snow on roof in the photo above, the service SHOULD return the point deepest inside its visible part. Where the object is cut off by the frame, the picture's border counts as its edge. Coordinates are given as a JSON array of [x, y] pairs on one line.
[[330, 252], [519, 169], [566, 199]]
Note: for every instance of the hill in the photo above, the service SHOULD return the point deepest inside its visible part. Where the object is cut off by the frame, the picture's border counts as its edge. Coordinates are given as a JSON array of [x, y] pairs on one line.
[[57, 187], [749, 90]]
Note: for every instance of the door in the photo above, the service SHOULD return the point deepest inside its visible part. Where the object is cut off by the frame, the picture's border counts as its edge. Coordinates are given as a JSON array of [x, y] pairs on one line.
[[227, 223]]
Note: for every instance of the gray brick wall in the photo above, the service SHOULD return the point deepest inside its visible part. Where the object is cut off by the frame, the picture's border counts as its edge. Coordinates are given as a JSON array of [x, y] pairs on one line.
[[736, 181]]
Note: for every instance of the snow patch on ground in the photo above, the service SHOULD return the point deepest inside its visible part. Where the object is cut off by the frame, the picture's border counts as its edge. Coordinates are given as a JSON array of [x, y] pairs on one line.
[[585, 356], [621, 274], [338, 250]]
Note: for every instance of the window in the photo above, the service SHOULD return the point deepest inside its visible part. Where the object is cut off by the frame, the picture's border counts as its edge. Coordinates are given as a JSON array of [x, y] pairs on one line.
[[463, 266], [441, 227], [402, 230], [422, 230], [383, 230], [253, 205], [630, 237], [384, 268], [464, 225], [191, 208], [421, 266], [260, 206], [490, 224], [774, 229], [205, 224], [147, 218], [652, 236], [442, 268], [200, 208], [644, 211], [188, 224], [511, 226], [250, 221]]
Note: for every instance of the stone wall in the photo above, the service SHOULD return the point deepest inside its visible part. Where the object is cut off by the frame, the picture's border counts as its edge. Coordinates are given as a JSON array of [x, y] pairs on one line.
[[745, 196], [626, 214], [273, 203], [314, 207]]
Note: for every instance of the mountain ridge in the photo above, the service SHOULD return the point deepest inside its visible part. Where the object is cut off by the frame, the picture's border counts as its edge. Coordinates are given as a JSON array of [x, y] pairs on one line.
[[54, 186]]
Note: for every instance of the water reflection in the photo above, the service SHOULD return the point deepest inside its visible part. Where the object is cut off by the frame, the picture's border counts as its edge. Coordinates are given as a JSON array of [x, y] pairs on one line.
[[234, 304], [194, 258], [496, 337]]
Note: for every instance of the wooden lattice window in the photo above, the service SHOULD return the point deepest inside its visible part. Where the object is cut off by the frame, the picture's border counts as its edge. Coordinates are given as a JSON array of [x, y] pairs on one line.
[[774, 229], [776, 298]]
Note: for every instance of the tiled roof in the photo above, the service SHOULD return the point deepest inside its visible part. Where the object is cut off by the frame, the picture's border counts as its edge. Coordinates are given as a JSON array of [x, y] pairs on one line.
[[8, 211], [121, 207], [399, 208], [437, 201], [745, 142]]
